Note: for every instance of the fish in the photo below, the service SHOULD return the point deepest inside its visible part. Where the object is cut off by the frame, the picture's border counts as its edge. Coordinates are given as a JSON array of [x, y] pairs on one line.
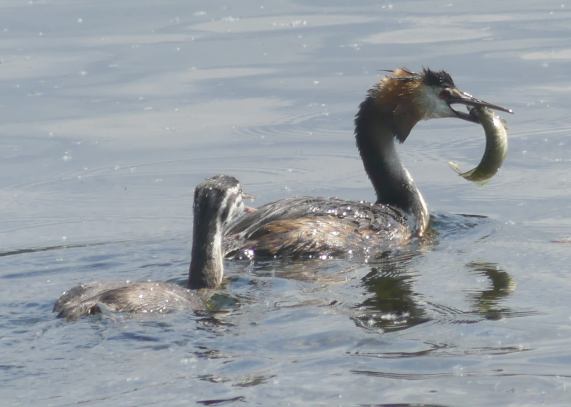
[[496, 147]]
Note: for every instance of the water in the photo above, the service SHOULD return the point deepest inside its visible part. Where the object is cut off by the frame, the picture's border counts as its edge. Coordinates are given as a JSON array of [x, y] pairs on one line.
[[113, 111]]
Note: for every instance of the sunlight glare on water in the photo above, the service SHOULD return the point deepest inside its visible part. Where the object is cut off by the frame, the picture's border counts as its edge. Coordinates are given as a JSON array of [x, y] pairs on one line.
[[114, 111]]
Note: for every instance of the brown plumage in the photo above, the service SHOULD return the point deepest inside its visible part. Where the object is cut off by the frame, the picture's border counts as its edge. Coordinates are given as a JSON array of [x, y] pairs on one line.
[[322, 236], [316, 227]]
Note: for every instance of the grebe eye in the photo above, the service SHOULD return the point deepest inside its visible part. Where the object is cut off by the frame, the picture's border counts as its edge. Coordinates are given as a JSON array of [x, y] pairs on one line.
[[445, 94]]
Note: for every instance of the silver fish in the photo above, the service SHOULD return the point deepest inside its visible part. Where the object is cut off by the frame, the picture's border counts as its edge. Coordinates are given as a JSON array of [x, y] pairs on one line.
[[496, 147]]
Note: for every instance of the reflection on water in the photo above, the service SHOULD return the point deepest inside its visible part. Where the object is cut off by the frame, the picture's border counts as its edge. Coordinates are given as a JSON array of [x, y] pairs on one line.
[[390, 303], [113, 111], [393, 304], [487, 302]]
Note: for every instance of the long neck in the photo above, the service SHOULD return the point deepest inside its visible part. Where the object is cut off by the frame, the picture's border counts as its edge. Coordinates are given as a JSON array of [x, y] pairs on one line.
[[393, 184], [207, 262]]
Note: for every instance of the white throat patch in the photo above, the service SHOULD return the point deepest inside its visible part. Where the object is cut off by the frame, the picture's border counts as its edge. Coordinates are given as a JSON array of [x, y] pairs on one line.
[[432, 105]]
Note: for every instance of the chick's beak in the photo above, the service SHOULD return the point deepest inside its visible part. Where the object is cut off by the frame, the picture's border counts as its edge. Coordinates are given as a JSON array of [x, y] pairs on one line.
[[248, 197], [454, 95]]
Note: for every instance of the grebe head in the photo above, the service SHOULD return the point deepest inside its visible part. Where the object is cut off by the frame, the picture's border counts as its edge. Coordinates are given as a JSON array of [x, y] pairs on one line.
[[408, 97], [217, 201], [220, 198]]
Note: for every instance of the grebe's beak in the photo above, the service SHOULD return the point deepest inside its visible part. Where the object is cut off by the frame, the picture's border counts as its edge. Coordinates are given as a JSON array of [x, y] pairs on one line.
[[248, 197], [453, 95]]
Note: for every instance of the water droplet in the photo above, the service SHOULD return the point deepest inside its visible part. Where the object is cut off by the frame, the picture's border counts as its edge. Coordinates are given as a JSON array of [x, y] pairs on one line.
[[458, 370]]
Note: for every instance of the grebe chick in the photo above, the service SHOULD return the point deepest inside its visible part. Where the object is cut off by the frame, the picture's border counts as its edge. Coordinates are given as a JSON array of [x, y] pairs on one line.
[[217, 201], [320, 226]]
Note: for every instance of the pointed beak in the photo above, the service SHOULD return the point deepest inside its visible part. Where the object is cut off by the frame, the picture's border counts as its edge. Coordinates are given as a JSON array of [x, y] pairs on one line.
[[454, 95], [248, 197]]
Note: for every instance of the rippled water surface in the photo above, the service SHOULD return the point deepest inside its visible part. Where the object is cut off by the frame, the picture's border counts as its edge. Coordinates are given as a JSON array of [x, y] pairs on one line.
[[113, 111]]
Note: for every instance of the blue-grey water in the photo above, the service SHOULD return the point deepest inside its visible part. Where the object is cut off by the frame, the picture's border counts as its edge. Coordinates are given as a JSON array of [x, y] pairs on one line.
[[113, 111]]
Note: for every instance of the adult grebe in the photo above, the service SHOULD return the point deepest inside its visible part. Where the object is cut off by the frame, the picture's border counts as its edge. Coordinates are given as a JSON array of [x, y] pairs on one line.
[[322, 227], [217, 200]]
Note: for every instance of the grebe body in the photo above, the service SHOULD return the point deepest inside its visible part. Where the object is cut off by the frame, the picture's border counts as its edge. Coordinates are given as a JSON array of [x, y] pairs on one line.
[[313, 226], [217, 201], [322, 227]]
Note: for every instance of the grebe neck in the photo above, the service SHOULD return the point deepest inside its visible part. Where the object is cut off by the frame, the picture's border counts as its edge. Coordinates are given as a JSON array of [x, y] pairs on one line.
[[375, 135], [206, 265]]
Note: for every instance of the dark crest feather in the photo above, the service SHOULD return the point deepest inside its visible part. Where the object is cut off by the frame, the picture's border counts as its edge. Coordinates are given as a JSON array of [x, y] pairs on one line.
[[437, 78]]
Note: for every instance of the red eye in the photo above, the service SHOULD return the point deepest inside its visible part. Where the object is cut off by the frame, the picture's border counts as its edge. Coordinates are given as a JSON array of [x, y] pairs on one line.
[[445, 94]]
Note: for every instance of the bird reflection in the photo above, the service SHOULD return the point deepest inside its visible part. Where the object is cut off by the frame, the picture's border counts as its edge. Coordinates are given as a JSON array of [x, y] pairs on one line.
[[392, 303], [487, 302]]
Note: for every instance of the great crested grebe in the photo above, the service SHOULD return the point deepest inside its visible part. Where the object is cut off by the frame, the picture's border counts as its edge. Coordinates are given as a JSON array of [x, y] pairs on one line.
[[302, 226], [217, 201], [330, 226]]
